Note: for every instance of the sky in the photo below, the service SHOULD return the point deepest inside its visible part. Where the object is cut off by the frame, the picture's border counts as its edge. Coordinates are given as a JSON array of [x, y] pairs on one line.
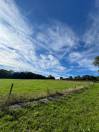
[[57, 37]]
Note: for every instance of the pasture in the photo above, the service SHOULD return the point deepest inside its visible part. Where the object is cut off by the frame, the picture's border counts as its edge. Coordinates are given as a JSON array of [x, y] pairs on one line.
[[77, 112], [35, 88]]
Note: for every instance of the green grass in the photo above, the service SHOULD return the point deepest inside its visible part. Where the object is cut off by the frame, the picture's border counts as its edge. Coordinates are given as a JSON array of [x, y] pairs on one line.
[[77, 112], [35, 88]]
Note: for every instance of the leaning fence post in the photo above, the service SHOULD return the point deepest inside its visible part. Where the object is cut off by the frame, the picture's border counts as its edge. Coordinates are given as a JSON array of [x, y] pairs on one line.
[[10, 90], [9, 94]]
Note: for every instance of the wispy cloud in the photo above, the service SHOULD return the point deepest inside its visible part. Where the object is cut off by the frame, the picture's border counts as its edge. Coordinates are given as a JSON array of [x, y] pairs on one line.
[[91, 36], [90, 44], [42, 48], [57, 38], [82, 60], [17, 45], [15, 35]]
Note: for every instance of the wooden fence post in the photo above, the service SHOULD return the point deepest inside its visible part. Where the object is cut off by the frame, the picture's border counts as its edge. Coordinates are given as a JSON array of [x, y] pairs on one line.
[[10, 90]]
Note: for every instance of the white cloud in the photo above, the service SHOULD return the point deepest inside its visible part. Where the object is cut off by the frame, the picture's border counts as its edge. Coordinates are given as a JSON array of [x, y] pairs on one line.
[[91, 35], [17, 47], [83, 60], [10, 15], [74, 56], [50, 62], [19, 43], [58, 38], [90, 38]]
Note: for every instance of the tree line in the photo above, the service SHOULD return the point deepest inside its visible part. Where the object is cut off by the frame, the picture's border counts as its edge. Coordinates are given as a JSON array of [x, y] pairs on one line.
[[30, 75], [82, 78], [22, 75]]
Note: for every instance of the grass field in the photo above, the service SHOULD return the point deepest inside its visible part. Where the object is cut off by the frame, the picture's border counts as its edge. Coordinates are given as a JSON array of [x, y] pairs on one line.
[[35, 88], [77, 112]]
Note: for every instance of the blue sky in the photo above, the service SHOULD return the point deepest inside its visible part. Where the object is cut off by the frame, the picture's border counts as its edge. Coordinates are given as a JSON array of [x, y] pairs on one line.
[[58, 37]]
